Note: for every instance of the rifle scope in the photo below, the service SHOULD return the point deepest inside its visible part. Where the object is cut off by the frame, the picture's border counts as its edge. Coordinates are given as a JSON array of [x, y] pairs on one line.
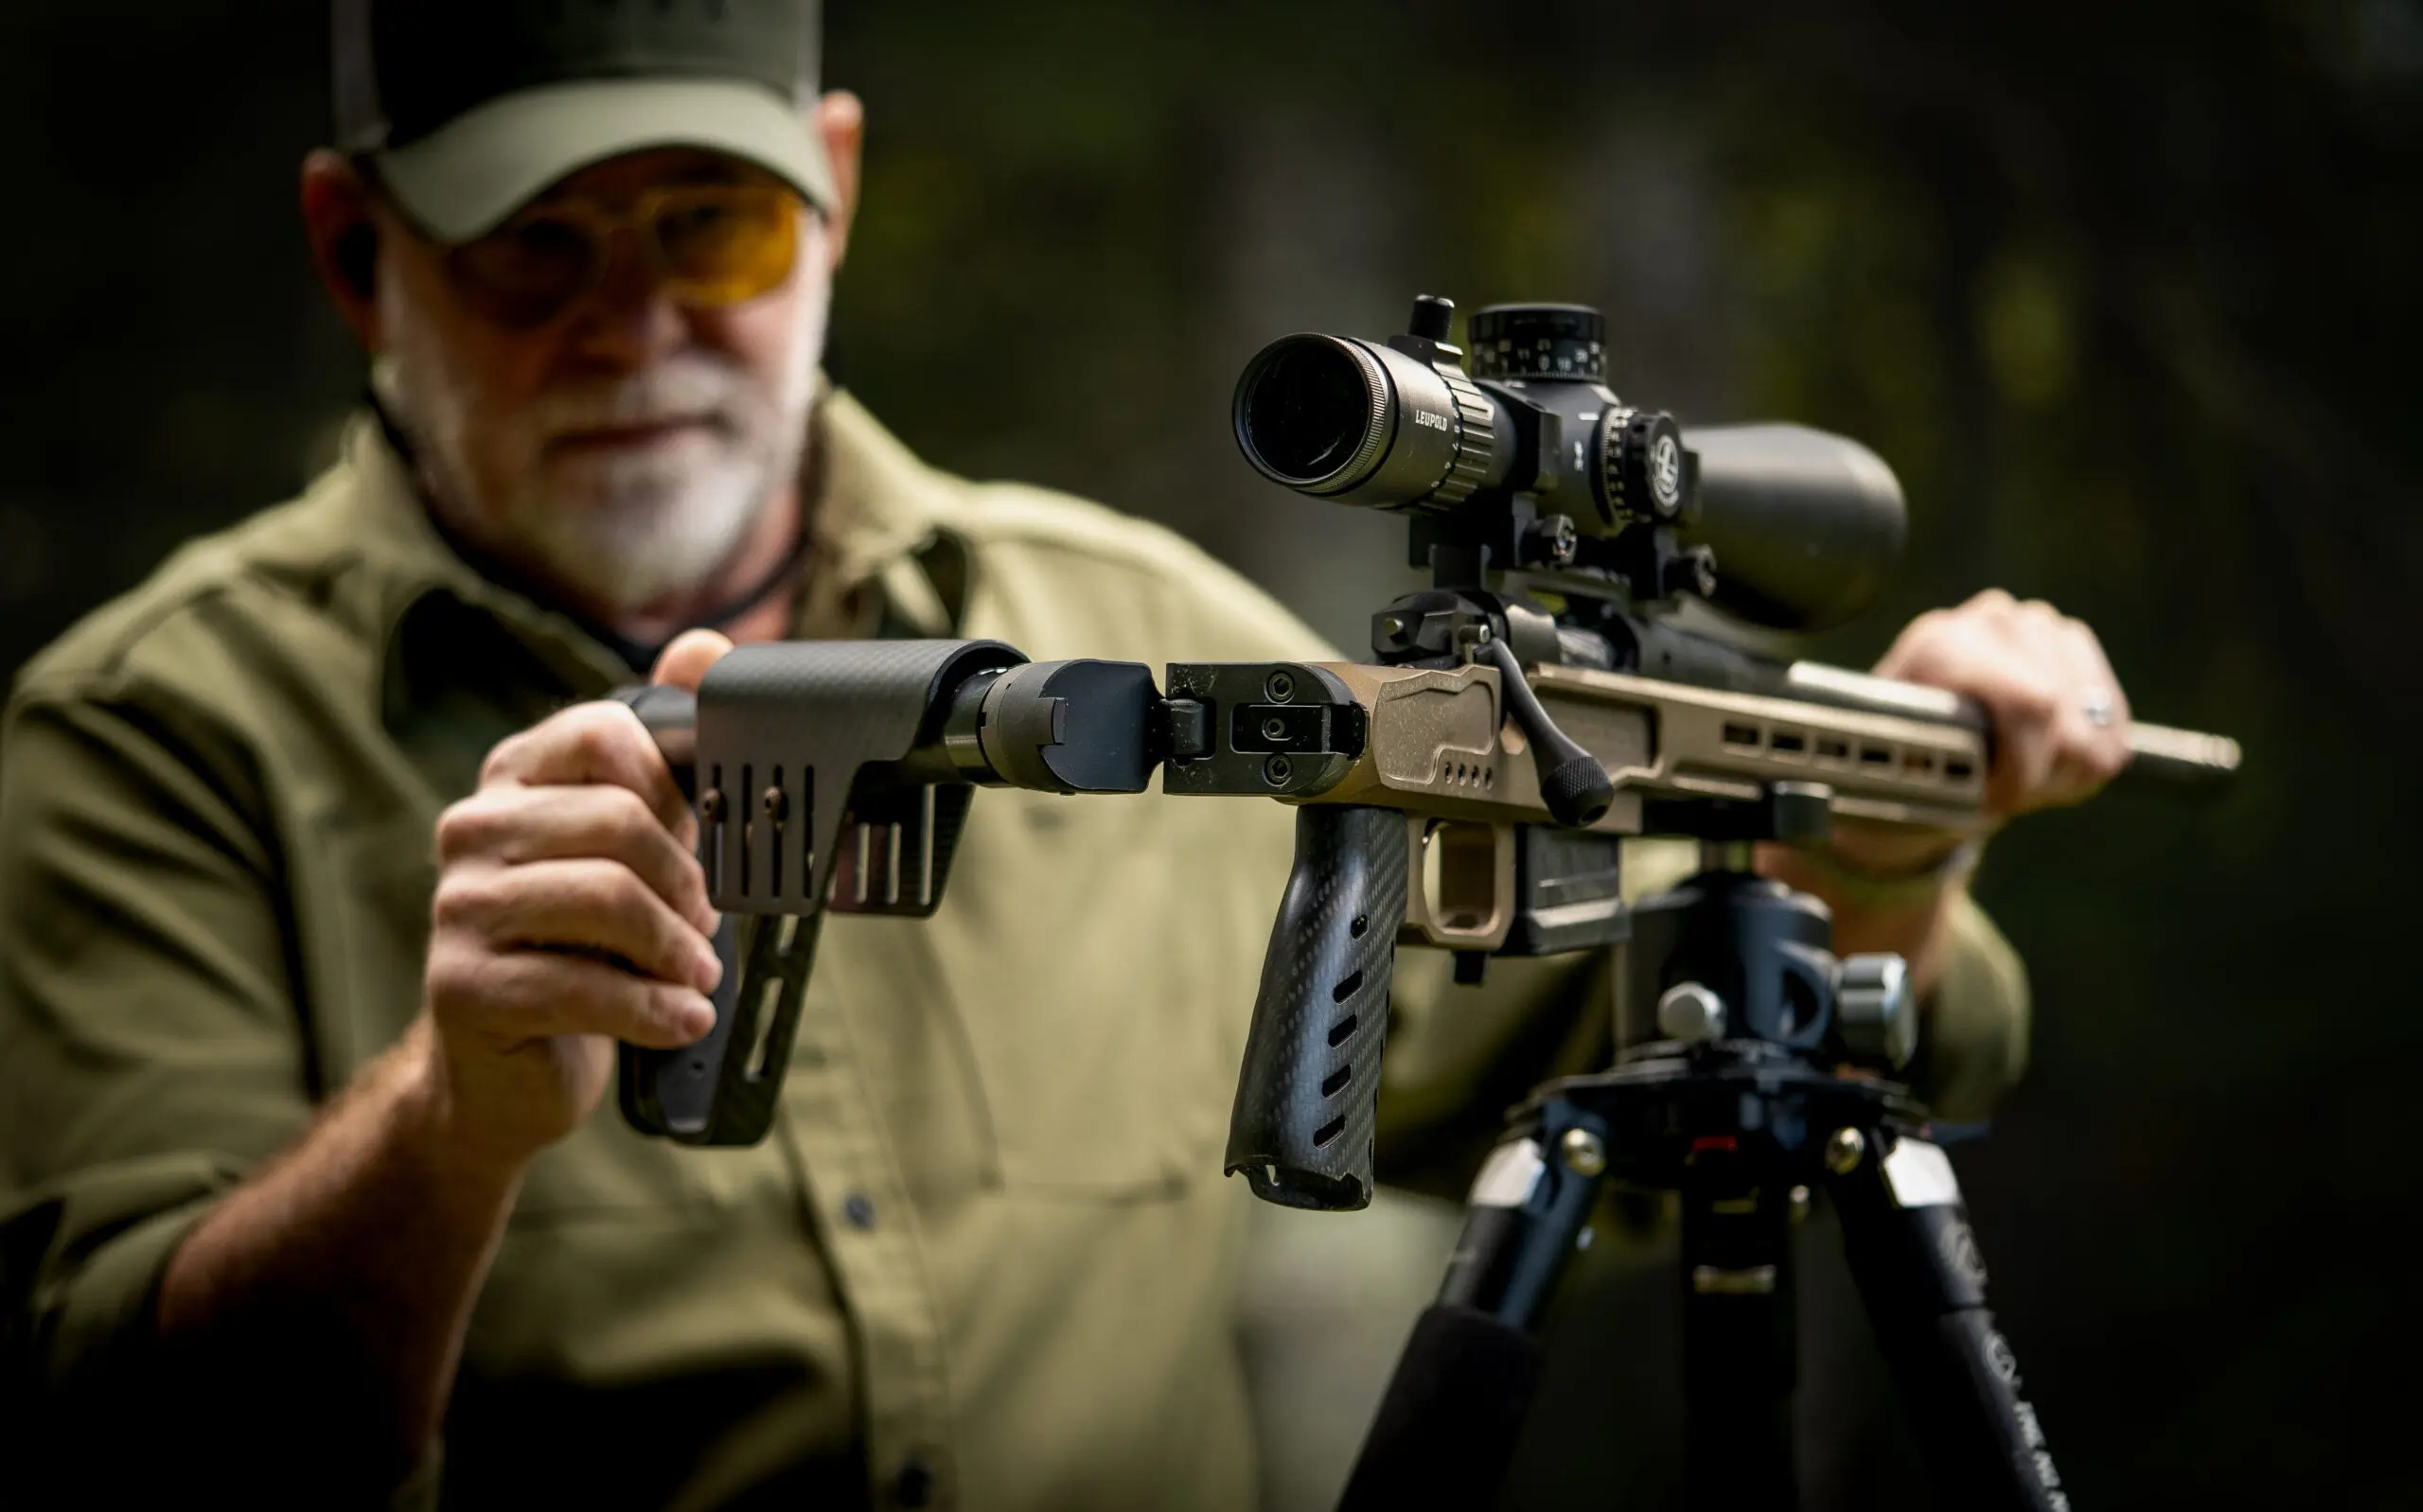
[[1805, 527]]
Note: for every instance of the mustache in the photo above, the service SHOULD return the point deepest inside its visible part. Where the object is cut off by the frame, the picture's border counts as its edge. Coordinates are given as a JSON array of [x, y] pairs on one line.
[[690, 387]]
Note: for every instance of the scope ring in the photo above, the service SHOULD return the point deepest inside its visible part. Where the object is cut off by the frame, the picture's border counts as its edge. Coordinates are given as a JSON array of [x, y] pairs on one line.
[[1476, 438]]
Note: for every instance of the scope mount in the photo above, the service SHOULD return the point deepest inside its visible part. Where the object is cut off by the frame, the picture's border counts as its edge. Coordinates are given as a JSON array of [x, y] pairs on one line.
[[1642, 479]]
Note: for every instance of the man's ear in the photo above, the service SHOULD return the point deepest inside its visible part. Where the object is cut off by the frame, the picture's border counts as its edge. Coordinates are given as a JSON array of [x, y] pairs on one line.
[[840, 120], [341, 220]]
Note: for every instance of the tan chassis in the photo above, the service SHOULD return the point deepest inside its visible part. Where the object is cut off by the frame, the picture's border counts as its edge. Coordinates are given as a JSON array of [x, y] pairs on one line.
[[1441, 748]]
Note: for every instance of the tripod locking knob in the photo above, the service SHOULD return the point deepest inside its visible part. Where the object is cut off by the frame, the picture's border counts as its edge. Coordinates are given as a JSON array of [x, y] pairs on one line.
[[1691, 1014], [1874, 1005]]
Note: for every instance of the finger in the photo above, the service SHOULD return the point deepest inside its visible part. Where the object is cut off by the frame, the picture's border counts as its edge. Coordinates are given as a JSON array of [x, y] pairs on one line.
[[1984, 655], [514, 825], [516, 997], [2083, 653], [685, 662], [576, 905], [1910, 643], [2086, 755], [2045, 638], [593, 742], [1988, 615]]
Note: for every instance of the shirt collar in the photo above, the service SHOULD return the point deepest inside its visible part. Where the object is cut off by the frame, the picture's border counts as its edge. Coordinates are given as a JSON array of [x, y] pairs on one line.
[[876, 515]]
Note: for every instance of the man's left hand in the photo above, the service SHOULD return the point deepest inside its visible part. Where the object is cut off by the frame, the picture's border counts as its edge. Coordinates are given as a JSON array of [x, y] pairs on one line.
[[2060, 721], [2060, 733]]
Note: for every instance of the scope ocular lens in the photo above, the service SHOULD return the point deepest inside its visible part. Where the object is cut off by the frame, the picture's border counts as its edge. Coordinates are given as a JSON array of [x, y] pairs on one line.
[[1307, 409]]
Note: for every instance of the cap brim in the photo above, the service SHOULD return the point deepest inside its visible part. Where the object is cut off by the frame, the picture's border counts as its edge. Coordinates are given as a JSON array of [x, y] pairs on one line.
[[464, 179]]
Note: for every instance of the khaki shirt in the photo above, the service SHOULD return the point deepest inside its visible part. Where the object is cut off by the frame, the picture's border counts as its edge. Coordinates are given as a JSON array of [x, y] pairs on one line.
[[986, 1258]]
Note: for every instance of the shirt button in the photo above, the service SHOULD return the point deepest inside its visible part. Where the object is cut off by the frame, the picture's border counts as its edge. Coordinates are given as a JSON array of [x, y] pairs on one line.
[[860, 1209], [915, 1484]]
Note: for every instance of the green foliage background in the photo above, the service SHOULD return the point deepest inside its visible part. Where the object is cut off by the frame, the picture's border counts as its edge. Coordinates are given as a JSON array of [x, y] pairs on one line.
[[2126, 294]]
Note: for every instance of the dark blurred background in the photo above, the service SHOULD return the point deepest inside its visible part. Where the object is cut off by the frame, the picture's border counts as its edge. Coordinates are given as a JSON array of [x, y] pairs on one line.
[[2126, 294]]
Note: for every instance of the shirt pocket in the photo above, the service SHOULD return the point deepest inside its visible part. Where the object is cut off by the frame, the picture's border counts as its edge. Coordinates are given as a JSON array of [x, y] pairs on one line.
[[1101, 955], [606, 1169]]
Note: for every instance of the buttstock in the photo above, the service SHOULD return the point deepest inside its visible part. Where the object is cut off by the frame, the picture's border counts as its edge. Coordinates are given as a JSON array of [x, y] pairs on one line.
[[721, 1090]]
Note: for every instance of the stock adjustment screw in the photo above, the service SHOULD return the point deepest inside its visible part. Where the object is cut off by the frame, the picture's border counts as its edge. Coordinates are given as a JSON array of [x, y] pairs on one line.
[[1583, 1154], [1277, 770], [1274, 728], [1843, 1148], [1281, 687]]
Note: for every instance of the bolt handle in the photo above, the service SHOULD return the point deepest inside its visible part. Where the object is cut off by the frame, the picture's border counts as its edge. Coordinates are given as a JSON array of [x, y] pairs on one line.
[[1573, 786]]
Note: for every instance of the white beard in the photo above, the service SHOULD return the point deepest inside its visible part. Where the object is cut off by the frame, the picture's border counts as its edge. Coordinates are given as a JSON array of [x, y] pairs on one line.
[[622, 531]]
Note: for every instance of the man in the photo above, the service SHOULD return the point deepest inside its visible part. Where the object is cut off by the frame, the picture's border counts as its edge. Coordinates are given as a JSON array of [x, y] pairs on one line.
[[316, 849]]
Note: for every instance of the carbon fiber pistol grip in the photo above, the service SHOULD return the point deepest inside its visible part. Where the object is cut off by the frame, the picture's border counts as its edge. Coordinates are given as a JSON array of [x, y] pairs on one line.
[[1308, 1095]]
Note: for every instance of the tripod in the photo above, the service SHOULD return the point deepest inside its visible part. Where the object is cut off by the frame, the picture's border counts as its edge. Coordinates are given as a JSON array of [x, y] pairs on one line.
[[1719, 1094]]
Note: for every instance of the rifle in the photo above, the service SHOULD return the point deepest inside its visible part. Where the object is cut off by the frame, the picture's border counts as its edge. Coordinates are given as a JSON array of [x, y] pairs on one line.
[[1464, 790], [1468, 790]]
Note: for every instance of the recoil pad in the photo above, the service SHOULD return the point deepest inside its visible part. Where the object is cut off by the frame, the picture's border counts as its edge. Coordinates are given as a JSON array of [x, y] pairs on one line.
[[1308, 1093]]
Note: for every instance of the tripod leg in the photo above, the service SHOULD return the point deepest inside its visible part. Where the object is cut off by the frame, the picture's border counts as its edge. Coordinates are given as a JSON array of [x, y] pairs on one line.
[[1446, 1429], [1739, 1365], [1917, 1265]]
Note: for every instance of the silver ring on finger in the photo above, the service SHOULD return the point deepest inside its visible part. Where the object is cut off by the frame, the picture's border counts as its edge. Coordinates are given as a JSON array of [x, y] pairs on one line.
[[2098, 708]]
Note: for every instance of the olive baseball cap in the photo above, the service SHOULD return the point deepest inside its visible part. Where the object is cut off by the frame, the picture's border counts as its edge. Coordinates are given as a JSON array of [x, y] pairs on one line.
[[472, 107]]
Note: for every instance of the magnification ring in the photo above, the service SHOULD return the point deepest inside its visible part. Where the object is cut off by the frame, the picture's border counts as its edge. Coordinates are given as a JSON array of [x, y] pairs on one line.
[[1476, 438]]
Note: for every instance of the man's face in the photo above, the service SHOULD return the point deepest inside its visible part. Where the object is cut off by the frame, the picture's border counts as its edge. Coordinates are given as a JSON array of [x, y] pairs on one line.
[[623, 448]]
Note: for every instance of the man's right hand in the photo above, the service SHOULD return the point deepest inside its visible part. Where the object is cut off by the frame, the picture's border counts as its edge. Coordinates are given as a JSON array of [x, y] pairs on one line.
[[570, 913]]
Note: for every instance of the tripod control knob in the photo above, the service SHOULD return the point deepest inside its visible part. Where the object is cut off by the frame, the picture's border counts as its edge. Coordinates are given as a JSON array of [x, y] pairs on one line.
[[1691, 1014], [1876, 1009]]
